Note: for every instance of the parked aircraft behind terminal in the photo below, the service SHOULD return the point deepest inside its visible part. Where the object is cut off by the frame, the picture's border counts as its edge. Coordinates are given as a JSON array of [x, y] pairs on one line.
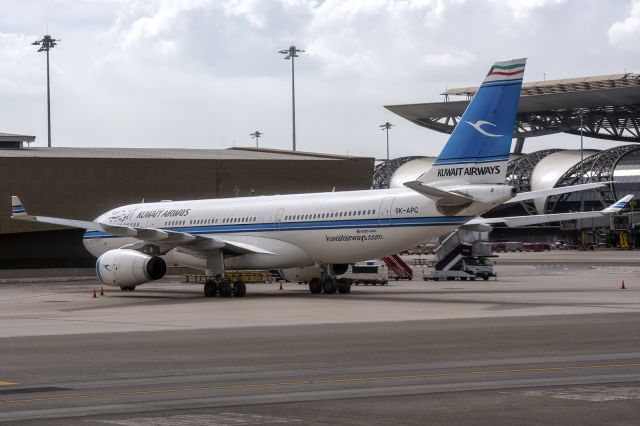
[[320, 232]]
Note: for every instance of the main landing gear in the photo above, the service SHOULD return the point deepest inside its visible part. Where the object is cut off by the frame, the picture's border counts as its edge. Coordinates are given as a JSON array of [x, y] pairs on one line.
[[329, 285], [223, 288]]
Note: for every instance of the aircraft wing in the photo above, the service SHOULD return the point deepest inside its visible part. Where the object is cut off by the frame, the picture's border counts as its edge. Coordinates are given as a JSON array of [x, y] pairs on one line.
[[166, 238], [514, 221]]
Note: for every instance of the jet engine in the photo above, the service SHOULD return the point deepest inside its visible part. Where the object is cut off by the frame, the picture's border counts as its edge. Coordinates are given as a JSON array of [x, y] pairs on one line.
[[339, 268], [128, 268]]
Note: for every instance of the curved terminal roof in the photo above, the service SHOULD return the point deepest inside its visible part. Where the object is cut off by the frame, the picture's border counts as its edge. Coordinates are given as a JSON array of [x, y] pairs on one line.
[[410, 171], [609, 105], [551, 168]]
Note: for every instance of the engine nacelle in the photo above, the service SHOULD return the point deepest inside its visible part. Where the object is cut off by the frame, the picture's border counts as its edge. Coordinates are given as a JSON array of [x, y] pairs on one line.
[[129, 268], [339, 268]]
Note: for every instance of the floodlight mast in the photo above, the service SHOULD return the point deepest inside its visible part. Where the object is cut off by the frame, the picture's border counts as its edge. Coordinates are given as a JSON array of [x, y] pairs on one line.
[[47, 43], [256, 135], [386, 126], [292, 53]]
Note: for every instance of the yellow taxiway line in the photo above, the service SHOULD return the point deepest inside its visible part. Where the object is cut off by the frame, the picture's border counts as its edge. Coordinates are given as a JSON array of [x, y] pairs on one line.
[[328, 381], [7, 383]]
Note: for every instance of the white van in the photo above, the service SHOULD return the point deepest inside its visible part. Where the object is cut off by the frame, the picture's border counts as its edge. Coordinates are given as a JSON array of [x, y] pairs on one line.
[[369, 272]]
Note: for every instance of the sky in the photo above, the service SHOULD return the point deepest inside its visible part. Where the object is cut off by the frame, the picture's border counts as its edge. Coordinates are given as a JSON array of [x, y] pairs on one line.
[[207, 73]]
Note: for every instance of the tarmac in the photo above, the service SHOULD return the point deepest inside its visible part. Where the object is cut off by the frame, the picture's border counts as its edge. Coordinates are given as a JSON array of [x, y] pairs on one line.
[[554, 340]]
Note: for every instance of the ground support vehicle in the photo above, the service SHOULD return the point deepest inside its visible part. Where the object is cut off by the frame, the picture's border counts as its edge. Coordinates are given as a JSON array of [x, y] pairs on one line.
[[370, 272]]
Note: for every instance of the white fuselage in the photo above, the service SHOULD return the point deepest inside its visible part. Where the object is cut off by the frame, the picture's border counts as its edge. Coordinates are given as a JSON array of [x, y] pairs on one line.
[[297, 230]]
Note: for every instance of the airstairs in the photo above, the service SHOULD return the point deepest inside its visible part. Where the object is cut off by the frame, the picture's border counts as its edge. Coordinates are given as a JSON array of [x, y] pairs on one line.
[[451, 251], [460, 255], [399, 269]]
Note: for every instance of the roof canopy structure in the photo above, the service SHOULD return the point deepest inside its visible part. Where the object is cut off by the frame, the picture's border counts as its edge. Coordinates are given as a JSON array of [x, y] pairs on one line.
[[608, 106]]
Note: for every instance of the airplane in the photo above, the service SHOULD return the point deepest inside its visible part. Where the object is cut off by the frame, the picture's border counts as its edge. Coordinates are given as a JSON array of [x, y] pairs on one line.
[[319, 233]]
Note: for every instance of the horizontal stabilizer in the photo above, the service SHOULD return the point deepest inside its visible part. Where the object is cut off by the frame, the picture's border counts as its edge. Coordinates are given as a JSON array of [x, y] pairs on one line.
[[443, 197], [530, 195]]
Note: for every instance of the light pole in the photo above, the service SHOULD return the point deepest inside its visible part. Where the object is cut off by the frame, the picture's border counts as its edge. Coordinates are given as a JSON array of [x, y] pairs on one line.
[[47, 43], [582, 243], [292, 53], [581, 160], [386, 126], [256, 135]]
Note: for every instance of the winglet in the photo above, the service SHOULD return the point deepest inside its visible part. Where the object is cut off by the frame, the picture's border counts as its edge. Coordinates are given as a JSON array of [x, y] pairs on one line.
[[17, 209], [618, 205]]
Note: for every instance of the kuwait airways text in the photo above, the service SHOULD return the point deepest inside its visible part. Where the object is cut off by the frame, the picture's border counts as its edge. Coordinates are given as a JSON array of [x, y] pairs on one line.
[[469, 171]]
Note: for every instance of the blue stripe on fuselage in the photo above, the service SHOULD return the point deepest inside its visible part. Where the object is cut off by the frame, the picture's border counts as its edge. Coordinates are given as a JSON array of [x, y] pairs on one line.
[[307, 226]]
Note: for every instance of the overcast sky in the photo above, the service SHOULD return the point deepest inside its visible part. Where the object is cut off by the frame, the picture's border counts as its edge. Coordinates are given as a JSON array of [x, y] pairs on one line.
[[206, 73]]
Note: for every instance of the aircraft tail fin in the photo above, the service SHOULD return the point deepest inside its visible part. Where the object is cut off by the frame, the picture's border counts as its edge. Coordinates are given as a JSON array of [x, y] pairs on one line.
[[478, 149], [618, 205]]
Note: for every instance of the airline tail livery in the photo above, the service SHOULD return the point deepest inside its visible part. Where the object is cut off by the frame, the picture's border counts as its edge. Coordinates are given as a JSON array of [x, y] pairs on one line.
[[478, 149], [320, 233]]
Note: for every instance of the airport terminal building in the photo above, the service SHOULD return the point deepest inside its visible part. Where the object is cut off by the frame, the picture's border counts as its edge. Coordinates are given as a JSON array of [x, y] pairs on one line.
[[81, 183], [598, 107]]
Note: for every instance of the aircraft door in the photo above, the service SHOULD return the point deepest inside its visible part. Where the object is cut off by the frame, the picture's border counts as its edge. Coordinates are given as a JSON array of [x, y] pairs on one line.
[[278, 219], [384, 213]]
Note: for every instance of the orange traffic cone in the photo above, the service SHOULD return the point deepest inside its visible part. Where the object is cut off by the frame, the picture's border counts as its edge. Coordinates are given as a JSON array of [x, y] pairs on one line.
[[94, 294], [622, 287], [280, 285], [101, 291]]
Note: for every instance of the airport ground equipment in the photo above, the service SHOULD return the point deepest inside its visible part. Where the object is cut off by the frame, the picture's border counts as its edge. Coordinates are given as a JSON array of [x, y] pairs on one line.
[[370, 272], [398, 268], [249, 277], [456, 258]]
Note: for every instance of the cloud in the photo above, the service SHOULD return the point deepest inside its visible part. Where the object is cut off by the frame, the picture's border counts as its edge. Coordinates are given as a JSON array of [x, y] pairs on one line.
[[522, 9], [626, 33], [446, 60], [206, 73]]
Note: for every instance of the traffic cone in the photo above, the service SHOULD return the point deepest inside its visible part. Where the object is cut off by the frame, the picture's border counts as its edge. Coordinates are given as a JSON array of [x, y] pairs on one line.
[[101, 291], [94, 294], [281, 285], [622, 287]]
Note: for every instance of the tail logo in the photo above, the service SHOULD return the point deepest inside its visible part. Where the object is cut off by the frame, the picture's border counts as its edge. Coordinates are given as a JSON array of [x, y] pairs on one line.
[[478, 126]]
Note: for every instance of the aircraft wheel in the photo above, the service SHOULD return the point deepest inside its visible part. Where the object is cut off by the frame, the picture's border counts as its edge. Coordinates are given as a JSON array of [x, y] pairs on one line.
[[224, 288], [210, 289], [315, 285], [344, 286], [127, 288], [239, 289], [330, 286]]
